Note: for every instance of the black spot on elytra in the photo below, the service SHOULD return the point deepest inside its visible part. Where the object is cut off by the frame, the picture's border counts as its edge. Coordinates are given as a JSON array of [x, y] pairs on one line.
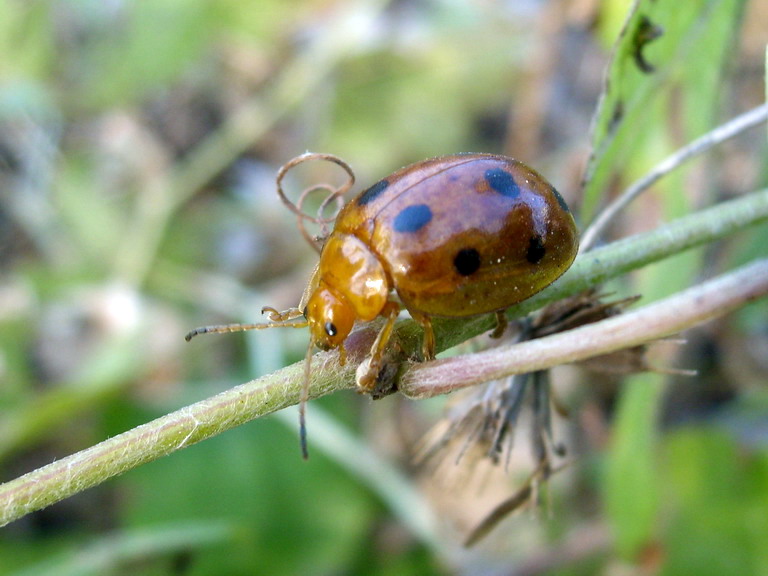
[[502, 182], [372, 193], [467, 261], [536, 250], [413, 218], [560, 199]]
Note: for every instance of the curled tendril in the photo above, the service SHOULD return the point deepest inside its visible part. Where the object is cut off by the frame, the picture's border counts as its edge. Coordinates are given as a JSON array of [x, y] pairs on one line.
[[334, 194]]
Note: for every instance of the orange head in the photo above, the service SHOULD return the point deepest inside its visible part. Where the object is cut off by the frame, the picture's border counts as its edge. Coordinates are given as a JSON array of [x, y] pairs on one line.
[[330, 317]]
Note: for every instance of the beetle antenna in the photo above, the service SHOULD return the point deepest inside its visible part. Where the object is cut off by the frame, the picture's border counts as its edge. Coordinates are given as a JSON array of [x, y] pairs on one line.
[[282, 323], [303, 402], [223, 328]]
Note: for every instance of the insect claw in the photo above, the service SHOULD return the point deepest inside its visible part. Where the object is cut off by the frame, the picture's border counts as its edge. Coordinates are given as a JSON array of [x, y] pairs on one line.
[[273, 315], [276, 315]]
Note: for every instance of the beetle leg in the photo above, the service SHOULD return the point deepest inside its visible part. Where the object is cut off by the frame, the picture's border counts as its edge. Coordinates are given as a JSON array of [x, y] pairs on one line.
[[428, 344], [368, 372], [501, 324], [277, 316]]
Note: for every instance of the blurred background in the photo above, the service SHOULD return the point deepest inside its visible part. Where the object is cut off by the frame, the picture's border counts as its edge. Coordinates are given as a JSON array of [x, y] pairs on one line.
[[139, 142]]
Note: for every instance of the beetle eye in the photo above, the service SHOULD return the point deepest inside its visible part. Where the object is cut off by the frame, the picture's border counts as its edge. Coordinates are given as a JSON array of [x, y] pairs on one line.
[[330, 329], [304, 312]]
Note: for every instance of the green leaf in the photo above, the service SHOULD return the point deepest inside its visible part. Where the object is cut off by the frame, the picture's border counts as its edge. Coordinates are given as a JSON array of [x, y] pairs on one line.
[[110, 553], [665, 72], [716, 490], [631, 482]]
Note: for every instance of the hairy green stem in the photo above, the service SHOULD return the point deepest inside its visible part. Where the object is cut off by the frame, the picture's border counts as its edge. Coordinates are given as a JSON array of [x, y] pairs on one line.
[[602, 264], [693, 306], [280, 389]]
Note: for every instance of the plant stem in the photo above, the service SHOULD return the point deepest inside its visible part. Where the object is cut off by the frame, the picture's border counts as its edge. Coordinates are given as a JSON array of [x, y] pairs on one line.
[[732, 128], [282, 388], [688, 308], [597, 266], [162, 436]]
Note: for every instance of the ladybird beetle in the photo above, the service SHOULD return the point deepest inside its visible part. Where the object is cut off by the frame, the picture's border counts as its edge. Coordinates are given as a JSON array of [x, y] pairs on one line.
[[452, 236]]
